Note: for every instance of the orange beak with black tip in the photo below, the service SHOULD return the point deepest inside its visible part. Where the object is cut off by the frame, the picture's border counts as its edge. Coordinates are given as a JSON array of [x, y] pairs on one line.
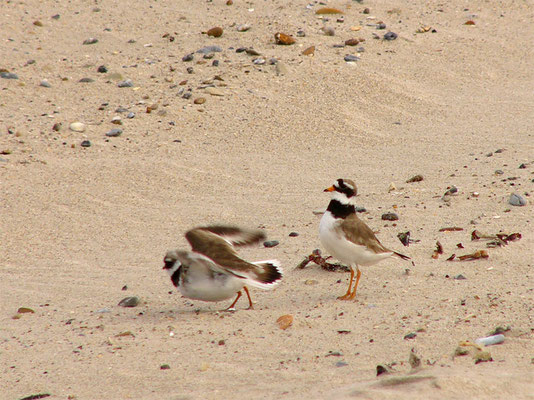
[[330, 189]]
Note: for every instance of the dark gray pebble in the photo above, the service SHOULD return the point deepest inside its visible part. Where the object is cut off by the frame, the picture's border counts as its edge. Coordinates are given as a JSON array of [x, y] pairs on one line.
[[130, 115], [215, 63], [86, 80], [85, 143], [499, 172], [301, 33], [129, 301], [341, 364], [209, 49], [523, 166], [164, 366], [381, 26], [190, 70], [208, 56], [125, 83], [8, 75], [188, 57], [410, 336], [271, 243], [350, 57], [517, 200], [241, 49], [390, 36], [102, 69], [187, 95], [55, 16], [121, 109], [391, 216], [459, 277], [90, 41], [114, 132], [251, 52], [293, 234]]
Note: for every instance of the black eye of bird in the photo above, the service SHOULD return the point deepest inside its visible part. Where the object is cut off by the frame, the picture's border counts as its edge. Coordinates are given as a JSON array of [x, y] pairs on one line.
[[341, 183]]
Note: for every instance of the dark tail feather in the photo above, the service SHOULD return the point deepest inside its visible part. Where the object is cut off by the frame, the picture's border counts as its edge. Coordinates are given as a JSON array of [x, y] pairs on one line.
[[268, 274], [402, 256]]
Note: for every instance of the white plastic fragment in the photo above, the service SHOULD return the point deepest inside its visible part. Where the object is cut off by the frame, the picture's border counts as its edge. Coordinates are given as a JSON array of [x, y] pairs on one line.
[[490, 340]]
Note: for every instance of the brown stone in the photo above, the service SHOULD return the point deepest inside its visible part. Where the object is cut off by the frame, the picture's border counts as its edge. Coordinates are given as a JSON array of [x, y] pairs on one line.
[[282, 38], [215, 32]]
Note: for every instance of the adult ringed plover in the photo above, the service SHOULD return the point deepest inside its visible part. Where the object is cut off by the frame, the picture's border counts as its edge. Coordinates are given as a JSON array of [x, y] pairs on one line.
[[346, 237], [213, 271]]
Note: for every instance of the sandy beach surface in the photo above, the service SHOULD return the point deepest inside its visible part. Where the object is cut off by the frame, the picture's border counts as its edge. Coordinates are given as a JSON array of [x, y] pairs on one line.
[[86, 218]]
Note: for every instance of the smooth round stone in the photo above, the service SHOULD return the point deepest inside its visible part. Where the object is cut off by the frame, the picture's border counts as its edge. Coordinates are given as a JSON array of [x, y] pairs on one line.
[[209, 49], [45, 83], [86, 80], [351, 58], [85, 143], [271, 243], [517, 200], [243, 27], [114, 132], [188, 57], [129, 301], [390, 36], [258, 61], [293, 234], [8, 75], [125, 83], [130, 115], [116, 120], [391, 216], [77, 127], [90, 41]]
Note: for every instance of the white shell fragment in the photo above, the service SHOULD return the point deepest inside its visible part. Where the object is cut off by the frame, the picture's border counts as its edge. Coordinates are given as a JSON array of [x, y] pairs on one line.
[[490, 340]]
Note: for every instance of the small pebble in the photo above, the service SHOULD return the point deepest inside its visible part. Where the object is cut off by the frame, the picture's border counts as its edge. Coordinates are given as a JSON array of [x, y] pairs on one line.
[[102, 69], [381, 26], [351, 58], [164, 366], [517, 200], [129, 301], [459, 277], [209, 49], [215, 32], [283, 39], [243, 27], [341, 364], [328, 30], [187, 95], [416, 178], [390, 36], [293, 234], [189, 70], [352, 42], [57, 126], [125, 83], [188, 57], [215, 63], [86, 80], [114, 133], [77, 127], [116, 120], [301, 33], [410, 336], [130, 115], [45, 83], [85, 143], [271, 243], [251, 52], [90, 41], [199, 100], [8, 75], [391, 216]]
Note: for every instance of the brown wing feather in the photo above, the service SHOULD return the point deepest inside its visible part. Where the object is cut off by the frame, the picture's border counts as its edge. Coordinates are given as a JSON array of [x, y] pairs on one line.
[[236, 236], [356, 231], [213, 246]]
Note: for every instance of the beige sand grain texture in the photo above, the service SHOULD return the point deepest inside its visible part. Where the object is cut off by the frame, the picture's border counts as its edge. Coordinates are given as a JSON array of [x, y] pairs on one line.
[[77, 224]]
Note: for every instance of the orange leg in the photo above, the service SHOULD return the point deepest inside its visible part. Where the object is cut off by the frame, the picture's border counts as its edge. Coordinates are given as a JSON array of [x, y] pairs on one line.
[[347, 295], [250, 305], [232, 307], [353, 294]]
